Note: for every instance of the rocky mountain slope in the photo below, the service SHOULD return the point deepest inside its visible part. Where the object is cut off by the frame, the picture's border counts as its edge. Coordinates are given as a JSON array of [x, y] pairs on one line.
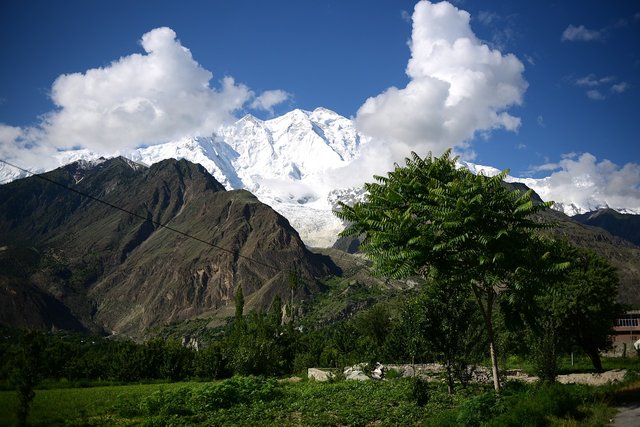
[[626, 226], [621, 253], [70, 261]]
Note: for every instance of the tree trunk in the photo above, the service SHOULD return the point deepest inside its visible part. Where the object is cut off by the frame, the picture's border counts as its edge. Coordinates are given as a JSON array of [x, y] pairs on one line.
[[487, 315], [494, 364], [594, 355], [450, 383]]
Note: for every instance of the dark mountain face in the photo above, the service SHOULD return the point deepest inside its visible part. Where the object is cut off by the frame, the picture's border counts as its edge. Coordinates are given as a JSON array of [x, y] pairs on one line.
[[622, 254], [105, 269], [626, 226]]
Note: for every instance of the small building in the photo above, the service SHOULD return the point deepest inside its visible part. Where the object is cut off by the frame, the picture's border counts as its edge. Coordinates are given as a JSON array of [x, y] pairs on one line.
[[626, 332]]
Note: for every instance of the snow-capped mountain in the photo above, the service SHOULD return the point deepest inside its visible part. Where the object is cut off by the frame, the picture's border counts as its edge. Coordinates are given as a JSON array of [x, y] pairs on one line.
[[285, 162], [282, 161]]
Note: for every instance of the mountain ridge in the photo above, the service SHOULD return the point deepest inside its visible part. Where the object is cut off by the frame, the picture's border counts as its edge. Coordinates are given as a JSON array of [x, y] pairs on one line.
[[115, 272], [626, 226], [284, 161]]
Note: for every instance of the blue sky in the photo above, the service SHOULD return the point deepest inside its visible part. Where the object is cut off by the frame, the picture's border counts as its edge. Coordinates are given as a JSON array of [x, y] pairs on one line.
[[581, 62]]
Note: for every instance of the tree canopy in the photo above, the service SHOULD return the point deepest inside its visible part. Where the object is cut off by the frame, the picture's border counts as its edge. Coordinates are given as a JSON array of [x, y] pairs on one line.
[[584, 303], [434, 219]]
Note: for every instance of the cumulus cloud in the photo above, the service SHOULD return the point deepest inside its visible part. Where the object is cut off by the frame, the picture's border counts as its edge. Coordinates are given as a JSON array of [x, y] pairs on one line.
[[9, 135], [580, 33], [459, 87], [582, 180], [269, 99], [140, 99]]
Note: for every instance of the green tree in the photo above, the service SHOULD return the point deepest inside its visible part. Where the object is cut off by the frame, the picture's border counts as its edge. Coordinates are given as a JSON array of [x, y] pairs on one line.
[[178, 361], [433, 219], [374, 323], [209, 362], [583, 304], [530, 323], [406, 342], [275, 313], [452, 325], [239, 303], [25, 365], [294, 282]]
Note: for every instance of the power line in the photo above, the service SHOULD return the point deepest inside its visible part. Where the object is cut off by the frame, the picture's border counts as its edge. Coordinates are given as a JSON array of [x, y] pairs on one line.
[[159, 224]]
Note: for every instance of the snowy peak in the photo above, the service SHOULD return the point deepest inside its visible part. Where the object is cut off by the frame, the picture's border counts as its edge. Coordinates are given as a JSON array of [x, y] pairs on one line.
[[295, 145], [216, 156], [285, 160], [479, 169]]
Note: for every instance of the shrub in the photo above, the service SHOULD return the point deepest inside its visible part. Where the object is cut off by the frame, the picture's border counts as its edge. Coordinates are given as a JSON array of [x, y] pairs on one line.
[[234, 391], [175, 402], [542, 403], [420, 391], [477, 410]]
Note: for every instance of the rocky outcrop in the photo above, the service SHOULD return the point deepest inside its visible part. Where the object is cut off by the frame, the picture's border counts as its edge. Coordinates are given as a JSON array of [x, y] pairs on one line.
[[320, 375]]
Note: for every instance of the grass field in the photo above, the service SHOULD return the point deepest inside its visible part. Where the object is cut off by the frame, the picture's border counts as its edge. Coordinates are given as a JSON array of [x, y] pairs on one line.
[[59, 406], [254, 401]]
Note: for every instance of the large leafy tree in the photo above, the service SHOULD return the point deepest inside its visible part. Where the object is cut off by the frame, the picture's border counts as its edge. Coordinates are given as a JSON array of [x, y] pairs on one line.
[[436, 220], [453, 329], [583, 304]]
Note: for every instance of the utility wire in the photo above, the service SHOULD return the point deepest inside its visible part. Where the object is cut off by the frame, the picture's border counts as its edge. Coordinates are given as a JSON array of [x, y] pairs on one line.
[[159, 224]]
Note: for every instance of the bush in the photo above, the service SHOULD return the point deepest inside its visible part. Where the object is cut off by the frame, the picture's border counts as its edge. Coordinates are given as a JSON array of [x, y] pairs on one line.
[[165, 403], [477, 410], [234, 391], [541, 403], [420, 391]]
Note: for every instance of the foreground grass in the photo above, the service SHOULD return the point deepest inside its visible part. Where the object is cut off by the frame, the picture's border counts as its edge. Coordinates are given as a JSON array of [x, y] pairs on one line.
[[581, 364], [59, 406], [255, 401]]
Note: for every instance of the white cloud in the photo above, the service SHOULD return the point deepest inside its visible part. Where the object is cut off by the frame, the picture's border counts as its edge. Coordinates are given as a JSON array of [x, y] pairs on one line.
[[580, 33], [595, 94], [139, 99], [620, 87], [487, 18], [9, 134], [502, 28], [17, 146], [592, 81], [584, 181], [530, 60], [540, 121], [459, 87], [269, 99], [597, 86]]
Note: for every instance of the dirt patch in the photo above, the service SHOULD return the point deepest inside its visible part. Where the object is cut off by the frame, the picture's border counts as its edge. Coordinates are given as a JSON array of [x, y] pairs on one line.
[[615, 375]]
